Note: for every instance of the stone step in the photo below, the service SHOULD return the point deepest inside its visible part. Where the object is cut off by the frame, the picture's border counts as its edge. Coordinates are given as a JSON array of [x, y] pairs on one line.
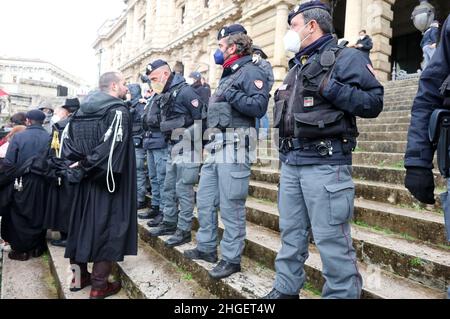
[[150, 276], [379, 159], [30, 279], [387, 120], [419, 224], [262, 246], [388, 114], [418, 261], [383, 136], [397, 106], [361, 172], [369, 128], [254, 282], [369, 190], [382, 146], [63, 275]]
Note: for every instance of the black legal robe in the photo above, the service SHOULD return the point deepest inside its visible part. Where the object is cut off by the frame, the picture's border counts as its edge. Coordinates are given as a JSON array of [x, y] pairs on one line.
[[61, 193], [103, 225], [23, 211]]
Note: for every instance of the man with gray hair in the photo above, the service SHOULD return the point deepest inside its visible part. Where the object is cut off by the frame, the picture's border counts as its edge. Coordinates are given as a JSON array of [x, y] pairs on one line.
[[103, 224], [315, 112]]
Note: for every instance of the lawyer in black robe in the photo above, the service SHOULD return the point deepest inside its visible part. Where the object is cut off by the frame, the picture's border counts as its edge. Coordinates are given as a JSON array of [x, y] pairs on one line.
[[103, 224], [22, 224], [61, 193]]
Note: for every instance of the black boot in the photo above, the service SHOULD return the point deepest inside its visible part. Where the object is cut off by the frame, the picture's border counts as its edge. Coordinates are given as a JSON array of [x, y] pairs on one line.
[[196, 254], [163, 229], [62, 242], [275, 294], [150, 214], [224, 269], [156, 221], [179, 238]]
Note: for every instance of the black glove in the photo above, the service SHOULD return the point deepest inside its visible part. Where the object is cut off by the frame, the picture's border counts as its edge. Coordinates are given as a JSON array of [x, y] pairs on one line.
[[420, 182]]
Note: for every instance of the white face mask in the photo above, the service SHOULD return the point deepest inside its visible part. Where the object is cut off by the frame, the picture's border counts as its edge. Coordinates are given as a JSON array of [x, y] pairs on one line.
[[190, 81], [293, 42], [55, 119], [361, 37]]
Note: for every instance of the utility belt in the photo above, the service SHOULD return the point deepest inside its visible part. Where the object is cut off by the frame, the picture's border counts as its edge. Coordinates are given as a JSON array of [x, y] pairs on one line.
[[323, 147]]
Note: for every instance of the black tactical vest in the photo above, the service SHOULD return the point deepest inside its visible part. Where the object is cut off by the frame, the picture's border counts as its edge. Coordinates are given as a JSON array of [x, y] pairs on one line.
[[169, 119], [221, 114], [152, 116], [301, 112]]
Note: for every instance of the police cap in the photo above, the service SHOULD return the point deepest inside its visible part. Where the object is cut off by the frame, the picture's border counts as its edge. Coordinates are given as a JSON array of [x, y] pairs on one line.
[[229, 30], [314, 4], [155, 65]]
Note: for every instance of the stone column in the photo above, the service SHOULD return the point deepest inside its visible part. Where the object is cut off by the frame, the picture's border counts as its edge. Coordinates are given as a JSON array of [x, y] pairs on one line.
[[353, 19], [149, 21], [129, 32], [379, 18], [279, 55]]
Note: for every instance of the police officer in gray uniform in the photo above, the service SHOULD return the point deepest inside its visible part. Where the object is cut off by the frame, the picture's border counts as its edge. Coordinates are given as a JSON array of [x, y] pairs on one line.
[[315, 111], [242, 96], [180, 107], [430, 129]]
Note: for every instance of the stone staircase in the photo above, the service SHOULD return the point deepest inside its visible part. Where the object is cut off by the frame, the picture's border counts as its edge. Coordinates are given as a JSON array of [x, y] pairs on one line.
[[400, 243]]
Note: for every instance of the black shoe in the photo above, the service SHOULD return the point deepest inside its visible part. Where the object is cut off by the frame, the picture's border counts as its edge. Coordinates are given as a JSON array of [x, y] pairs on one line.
[[163, 229], [38, 252], [153, 213], [275, 294], [59, 243], [196, 254], [224, 269], [141, 206], [179, 238], [155, 222], [14, 255]]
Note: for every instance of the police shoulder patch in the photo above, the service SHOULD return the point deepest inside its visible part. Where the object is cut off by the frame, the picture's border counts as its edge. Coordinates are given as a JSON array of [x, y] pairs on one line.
[[371, 69], [259, 84], [195, 103]]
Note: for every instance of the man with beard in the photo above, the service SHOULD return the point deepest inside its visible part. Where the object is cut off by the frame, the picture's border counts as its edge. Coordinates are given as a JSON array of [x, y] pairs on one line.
[[23, 217], [103, 224], [60, 193]]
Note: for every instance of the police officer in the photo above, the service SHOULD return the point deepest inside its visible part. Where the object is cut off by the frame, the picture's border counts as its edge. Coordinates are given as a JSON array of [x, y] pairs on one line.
[[241, 97], [180, 108], [156, 148], [195, 80], [135, 102], [260, 59], [434, 93], [315, 111]]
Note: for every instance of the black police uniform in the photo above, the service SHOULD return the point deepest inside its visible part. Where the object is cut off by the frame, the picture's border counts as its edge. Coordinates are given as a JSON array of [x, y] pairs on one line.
[[180, 107]]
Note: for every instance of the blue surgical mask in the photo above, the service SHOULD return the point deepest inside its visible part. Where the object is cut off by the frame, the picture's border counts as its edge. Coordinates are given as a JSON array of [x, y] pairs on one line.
[[219, 57]]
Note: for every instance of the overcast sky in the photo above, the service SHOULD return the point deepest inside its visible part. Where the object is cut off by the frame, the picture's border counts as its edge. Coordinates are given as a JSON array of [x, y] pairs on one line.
[[58, 31]]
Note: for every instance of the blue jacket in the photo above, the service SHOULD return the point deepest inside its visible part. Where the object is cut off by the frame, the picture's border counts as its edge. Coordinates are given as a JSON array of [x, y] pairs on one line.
[[24, 145], [419, 151], [352, 88], [430, 36]]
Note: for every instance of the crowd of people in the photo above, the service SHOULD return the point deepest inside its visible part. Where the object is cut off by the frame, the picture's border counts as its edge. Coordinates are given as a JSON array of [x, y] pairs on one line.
[[89, 178]]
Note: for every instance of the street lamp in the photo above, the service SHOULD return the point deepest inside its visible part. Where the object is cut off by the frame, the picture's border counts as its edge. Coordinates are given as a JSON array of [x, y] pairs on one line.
[[423, 15]]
